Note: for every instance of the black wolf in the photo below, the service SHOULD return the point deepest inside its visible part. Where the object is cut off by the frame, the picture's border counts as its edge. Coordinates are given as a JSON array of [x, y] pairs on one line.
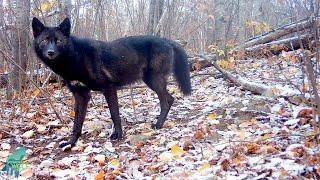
[[88, 65]]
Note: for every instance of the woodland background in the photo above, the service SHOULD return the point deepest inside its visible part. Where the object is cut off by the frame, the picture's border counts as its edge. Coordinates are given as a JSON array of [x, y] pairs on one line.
[[204, 26], [253, 112]]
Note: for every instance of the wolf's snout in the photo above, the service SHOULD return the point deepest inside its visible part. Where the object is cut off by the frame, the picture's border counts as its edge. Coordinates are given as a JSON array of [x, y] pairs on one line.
[[50, 53]]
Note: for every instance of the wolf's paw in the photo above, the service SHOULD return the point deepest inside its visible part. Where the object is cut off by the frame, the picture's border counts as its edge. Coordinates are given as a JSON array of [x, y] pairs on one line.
[[156, 126], [66, 145], [116, 135]]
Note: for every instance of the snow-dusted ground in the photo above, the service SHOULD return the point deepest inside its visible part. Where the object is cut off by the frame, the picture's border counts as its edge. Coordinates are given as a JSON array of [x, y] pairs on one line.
[[220, 131]]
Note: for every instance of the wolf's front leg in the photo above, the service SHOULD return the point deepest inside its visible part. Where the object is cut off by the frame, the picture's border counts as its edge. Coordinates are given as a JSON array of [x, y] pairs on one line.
[[112, 99], [82, 97]]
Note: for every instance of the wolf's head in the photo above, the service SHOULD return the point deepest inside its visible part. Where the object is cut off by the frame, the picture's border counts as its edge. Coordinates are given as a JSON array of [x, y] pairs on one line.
[[50, 42]]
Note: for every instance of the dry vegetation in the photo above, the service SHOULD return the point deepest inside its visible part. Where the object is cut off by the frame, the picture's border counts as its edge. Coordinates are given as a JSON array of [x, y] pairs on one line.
[[253, 113]]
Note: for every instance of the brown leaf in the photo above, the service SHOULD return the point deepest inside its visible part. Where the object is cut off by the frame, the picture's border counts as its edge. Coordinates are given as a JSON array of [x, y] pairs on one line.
[[236, 161], [252, 148], [198, 135], [314, 160], [187, 145], [299, 151], [213, 162], [318, 171], [306, 113], [140, 144], [225, 164], [72, 114], [196, 66]]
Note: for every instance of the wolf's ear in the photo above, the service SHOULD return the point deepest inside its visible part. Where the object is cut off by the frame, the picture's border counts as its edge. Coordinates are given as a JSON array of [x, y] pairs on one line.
[[65, 27], [37, 27]]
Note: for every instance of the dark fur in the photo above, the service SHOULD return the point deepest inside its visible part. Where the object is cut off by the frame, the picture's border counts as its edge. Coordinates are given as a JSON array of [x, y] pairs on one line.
[[105, 66]]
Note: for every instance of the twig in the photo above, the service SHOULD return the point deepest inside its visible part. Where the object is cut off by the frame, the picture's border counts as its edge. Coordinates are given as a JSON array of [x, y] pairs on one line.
[[133, 106], [30, 79], [310, 72], [44, 83]]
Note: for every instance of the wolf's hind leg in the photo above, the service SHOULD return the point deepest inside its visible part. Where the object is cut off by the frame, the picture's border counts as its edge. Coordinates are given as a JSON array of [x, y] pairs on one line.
[[158, 83], [110, 94]]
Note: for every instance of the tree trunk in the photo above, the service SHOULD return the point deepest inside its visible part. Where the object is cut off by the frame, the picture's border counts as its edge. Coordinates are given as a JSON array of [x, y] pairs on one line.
[[21, 43], [155, 13], [278, 33], [65, 9], [275, 47], [219, 23]]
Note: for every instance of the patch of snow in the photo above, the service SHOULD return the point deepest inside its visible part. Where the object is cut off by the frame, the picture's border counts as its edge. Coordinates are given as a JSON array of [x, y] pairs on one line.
[[291, 122]]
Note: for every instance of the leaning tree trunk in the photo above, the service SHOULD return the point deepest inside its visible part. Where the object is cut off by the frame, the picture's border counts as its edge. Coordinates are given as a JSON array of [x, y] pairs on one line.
[[278, 33], [276, 47], [155, 13], [21, 43]]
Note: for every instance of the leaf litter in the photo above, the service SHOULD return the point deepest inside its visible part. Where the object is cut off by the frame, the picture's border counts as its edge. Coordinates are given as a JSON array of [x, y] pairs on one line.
[[220, 131]]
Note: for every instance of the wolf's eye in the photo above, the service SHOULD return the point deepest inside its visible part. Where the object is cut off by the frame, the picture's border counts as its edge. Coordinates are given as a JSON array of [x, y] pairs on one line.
[[44, 41], [59, 41]]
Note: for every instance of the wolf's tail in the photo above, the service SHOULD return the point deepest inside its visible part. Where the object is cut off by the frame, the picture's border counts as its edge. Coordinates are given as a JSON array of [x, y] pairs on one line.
[[181, 69]]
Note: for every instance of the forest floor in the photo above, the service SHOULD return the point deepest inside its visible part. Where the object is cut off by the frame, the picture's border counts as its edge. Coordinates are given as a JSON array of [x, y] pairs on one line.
[[220, 131]]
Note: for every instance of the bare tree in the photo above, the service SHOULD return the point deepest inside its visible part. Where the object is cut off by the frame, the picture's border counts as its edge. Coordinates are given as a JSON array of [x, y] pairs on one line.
[[21, 43], [155, 13]]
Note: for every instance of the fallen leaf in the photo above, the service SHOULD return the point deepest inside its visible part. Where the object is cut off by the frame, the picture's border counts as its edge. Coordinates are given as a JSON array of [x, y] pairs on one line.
[[41, 128], [28, 173], [100, 158], [242, 134], [28, 134], [116, 171], [100, 175], [36, 92], [204, 167], [187, 145], [72, 114], [5, 146], [318, 171], [177, 150], [207, 153], [4, 154], [198, 135], [225, 164], [214, 162], [196, 66], [212, 116], [252, 148], [166, 156], [306, 113], [236, 161], [114, 163]]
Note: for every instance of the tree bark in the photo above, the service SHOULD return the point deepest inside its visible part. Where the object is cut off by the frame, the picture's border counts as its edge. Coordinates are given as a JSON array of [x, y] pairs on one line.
[[278, 33], [275, 47], [21, 43], [155, 13], [65, 9]]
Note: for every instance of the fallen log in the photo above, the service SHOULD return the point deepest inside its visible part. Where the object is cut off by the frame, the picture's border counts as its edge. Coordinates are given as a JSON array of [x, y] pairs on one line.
[[276, 47], [197, 64], [280, 32], [256, 88]]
